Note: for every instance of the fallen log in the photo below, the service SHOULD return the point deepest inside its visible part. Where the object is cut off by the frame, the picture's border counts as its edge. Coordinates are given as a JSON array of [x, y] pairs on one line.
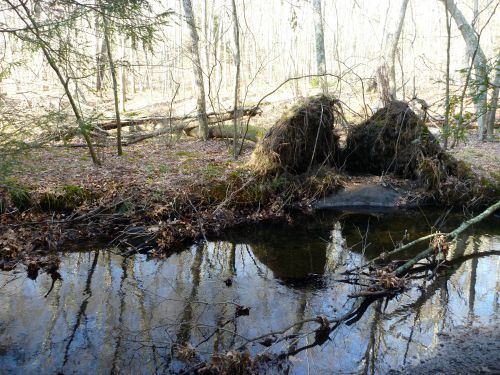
[[396, 273], [213, 118], [220, 132], [225, 132]]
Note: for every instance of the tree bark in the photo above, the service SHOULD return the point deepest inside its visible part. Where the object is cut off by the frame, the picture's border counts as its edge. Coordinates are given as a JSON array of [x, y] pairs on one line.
[[237, 63], [446, 127], [319, 36], [494, 101], [386, 71], [123, 75], [198, 72], [449, 237], [115, 85], [213, 118], [221, 132], [479, 62]]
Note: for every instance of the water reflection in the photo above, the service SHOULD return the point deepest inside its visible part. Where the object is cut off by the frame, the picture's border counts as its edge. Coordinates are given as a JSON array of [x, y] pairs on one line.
[[115, 314]]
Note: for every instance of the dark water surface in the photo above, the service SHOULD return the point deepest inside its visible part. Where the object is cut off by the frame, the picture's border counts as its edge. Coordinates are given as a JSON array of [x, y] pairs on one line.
[[122, 315]]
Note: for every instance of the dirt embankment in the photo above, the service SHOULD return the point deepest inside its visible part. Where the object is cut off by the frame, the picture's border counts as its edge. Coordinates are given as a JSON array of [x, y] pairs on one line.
[[465, 351], [161, 194], [153, 199]]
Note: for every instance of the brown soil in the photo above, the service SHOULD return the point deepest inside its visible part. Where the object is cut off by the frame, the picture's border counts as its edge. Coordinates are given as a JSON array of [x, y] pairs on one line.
[[155, 197], [152, 199]]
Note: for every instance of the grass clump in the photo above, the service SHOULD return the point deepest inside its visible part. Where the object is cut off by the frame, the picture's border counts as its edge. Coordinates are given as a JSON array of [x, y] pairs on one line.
[[20, 197], [71, 197]]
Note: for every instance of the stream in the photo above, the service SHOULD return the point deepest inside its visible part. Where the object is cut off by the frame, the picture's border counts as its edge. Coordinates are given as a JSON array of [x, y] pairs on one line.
[[115, 314]]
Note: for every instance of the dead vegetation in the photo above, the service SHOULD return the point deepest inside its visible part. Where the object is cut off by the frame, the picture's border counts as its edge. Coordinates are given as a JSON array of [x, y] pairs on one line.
[[142, 202], [393, 140], [396, 141], [303, 137], [155, 200]]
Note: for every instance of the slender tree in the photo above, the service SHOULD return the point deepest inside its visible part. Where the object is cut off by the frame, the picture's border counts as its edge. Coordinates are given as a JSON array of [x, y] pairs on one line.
[[237, 63], [475, 51], [198, 72], [386, 71], [494, 100], [446, 128], [320, 44], [112, 71], [38, 39]]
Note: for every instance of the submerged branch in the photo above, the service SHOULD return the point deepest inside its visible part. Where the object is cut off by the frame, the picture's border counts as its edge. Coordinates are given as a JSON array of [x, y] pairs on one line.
[[450, 236]]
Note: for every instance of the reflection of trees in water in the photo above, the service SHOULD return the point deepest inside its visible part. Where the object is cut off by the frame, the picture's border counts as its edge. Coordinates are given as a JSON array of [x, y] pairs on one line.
[[81, 314], [293, 262], [431, 306], [377, 333], [198, 275], [473, 276], [186, 321], [433, 302], [146, 316], [47, 343], [122, 294], [336, 250], [497, 289]]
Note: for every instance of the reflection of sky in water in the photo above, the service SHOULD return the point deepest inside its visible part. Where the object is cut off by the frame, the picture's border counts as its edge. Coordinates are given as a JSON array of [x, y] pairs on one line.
[[111, 313]]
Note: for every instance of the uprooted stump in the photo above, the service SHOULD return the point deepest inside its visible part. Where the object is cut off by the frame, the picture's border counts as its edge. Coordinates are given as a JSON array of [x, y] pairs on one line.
[[303, 137], [394, 140]]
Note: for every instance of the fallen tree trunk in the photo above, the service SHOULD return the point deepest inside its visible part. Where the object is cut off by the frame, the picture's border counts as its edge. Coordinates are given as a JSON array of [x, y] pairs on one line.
[[390, 279], [221, 132], [213, 118], [225, 131]]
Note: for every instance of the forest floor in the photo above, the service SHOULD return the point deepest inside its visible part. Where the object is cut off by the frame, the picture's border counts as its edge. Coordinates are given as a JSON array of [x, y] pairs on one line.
[[159, 194]]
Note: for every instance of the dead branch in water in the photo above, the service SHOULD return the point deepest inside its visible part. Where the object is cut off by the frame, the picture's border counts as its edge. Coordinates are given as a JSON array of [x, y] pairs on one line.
[[366, 297], [389, 279], [448, 237]]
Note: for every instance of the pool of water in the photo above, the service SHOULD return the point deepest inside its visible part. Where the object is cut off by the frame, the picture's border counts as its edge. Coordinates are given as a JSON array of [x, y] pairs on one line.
[[127, 314]]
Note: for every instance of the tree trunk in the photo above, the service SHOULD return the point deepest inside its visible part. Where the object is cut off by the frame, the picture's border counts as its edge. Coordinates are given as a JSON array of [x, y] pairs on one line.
[[494, 101], [198, 73], [446, 127], [115, 85], [479, 62], [237, 63], [220, 132], [123, 75], [386, 71], [320, 44], [100, 65]]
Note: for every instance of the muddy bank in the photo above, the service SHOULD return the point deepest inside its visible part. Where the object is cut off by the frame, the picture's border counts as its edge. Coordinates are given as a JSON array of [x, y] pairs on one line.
[[152, 202], [160, 195], [473, 350]]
